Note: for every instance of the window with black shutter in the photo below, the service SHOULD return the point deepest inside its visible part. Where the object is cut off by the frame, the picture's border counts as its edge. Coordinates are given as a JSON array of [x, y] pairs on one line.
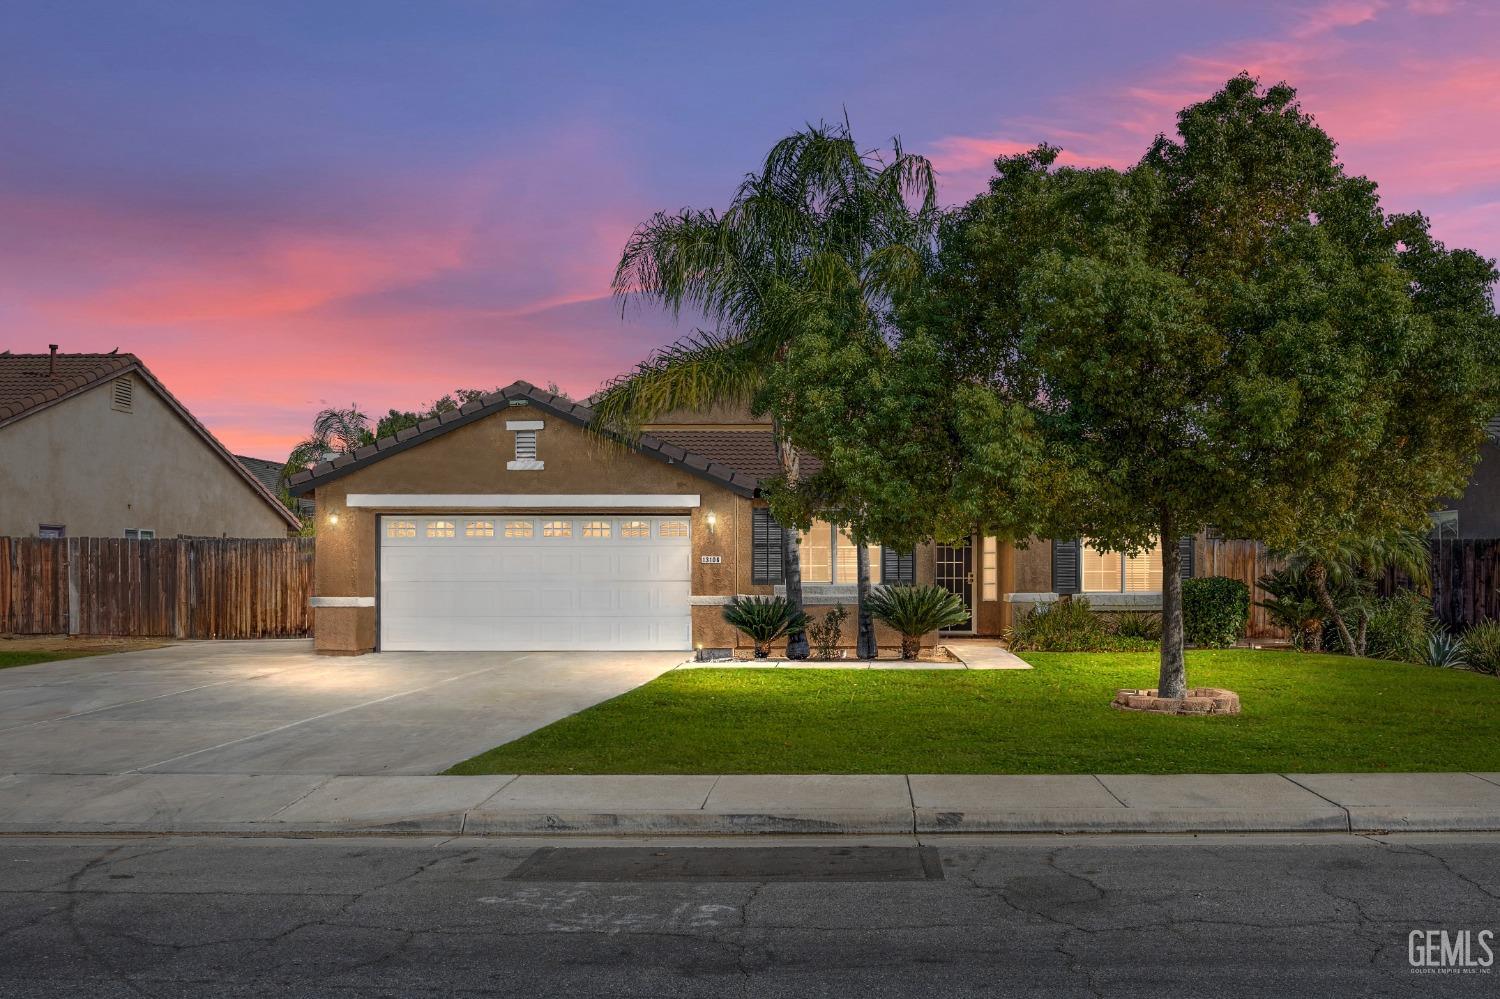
[[1065, 566], [898, 568], [767, 548], [1185, 557]]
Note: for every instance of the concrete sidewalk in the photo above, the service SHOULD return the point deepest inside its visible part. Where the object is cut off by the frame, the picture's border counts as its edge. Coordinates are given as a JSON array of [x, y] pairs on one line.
[[284, 804]]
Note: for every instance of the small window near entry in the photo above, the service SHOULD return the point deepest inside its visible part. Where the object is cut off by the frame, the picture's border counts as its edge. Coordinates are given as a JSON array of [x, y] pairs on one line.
[[401, 528], [635, 529], [672, 529], [479, 529], [136, 534], [52, 531], [557, 529], [518, 528], [596, 529], [989, 566], [440, 528]]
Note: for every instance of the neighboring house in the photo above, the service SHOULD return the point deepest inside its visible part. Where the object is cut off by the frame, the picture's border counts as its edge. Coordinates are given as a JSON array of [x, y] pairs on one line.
[[507, 524], [268, 473], [93, 445], [1476, 514]]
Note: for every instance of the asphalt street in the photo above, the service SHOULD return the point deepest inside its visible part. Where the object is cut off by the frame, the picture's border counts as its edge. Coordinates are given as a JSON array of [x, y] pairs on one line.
[[1323, 915]]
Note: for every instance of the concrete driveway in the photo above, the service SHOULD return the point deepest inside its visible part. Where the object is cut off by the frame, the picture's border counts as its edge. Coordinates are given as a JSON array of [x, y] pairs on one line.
[[274, 707]]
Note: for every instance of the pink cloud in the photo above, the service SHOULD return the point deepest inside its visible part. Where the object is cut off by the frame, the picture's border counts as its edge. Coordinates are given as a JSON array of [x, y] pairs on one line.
[[408, 287], [1424, 128]]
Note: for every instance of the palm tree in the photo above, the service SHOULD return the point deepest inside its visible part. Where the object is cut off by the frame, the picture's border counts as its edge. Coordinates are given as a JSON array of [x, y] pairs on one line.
[[1339, 561], [823, 225], [334, 432]]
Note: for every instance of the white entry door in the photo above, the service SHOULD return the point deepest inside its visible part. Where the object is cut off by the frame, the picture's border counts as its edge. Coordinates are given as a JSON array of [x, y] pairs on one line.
[[490, 581]]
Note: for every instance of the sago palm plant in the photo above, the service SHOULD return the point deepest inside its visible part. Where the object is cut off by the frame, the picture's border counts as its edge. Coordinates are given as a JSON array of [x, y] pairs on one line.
[[764, 619], [916, 610]]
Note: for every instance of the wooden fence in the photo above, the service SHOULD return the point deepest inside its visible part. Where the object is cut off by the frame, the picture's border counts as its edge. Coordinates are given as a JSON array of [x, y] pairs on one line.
[[183, 588], [1465, 580], [1246, 561]]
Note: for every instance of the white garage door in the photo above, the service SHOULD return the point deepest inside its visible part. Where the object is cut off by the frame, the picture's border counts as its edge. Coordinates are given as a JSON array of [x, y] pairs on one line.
[[478, 582]]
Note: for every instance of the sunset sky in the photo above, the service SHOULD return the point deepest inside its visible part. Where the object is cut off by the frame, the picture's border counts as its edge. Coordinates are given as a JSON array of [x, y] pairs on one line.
[[282, 206]]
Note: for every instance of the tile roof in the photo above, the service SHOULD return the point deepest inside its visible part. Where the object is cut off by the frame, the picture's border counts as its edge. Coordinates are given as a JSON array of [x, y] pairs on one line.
[[751, 451], [27, 381], [716, 462], [32, 382], [268, 474]]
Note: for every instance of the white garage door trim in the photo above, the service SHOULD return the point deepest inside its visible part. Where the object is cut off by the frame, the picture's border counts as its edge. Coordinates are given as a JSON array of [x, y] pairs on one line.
[[482, 501], [546, 582]]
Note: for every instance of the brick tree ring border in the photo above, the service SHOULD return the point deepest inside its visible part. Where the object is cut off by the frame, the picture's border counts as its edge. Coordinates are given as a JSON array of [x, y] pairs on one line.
[[1199, 701]]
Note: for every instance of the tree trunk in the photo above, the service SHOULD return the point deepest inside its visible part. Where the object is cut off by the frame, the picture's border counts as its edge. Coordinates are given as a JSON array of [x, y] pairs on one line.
[[1364, 632], [1317, 575], [791, 560], [1172, 678], [865, 647]]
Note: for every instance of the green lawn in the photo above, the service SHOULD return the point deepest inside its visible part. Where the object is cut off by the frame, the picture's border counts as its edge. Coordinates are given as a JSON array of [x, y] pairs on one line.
[[1300, 713], [8, 659]]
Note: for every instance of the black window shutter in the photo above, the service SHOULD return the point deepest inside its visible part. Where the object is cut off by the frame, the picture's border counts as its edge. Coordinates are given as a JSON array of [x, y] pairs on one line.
[[898, 568], [1185, 557], [767, 553], [1065, 566]]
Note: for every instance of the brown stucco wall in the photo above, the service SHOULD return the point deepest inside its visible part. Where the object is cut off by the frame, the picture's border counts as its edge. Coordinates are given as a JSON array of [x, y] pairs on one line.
[[472, 459], [97, 471]]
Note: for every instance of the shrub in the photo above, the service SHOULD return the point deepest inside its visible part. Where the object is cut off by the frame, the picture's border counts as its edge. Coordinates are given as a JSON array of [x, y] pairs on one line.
[[916, 610], [1069, 626], [764, 619], [825, 634], [1398, 627], [1483, 643], [1293, 608], [1215, 610], [1445, 651], [1136, 624]]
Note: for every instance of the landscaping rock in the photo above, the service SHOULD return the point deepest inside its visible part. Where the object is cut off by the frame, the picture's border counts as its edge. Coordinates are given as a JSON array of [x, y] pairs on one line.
[[1199, 701]]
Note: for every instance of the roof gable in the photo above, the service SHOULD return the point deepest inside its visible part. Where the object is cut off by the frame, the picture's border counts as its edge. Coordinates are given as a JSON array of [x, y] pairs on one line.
[[30, 383], [734, 479]]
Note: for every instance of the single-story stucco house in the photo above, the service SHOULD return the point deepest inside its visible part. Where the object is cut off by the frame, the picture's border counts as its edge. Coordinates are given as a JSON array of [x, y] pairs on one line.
[[93, 445], [508, 524]]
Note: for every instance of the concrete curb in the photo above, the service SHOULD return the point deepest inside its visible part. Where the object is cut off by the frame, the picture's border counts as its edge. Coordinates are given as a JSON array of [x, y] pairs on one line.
[[1132, 820], [744, 804]]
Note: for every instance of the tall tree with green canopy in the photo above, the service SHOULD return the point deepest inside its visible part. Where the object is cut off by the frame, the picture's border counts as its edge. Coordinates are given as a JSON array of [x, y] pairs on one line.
[[1230, 333], [823, 228]]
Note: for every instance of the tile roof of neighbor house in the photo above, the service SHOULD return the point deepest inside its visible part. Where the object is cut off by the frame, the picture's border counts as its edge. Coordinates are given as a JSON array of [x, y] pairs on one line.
[[268, 473], [30, 383], [736, 459]]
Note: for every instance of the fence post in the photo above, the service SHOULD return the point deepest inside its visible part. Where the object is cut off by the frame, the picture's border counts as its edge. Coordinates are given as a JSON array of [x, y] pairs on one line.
[[75, 624]]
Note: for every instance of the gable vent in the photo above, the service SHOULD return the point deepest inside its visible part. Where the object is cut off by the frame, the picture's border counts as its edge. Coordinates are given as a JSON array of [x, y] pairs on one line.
[[525, 431], [122, 395]]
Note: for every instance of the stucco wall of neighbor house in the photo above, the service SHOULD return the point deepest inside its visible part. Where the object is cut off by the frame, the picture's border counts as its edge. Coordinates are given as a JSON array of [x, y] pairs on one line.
[[1479, 507], [472, 459], [97, 471]]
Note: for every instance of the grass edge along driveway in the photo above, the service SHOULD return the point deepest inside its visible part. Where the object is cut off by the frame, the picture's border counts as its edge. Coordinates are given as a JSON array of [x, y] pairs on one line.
[[31, 657], [1301, 713]]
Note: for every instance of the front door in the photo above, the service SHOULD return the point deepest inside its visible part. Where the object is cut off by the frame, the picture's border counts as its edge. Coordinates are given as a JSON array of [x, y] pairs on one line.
[[955, 573]]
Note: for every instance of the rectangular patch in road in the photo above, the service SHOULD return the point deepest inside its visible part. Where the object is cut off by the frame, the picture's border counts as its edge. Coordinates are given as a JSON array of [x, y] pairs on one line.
[[731, 863]]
